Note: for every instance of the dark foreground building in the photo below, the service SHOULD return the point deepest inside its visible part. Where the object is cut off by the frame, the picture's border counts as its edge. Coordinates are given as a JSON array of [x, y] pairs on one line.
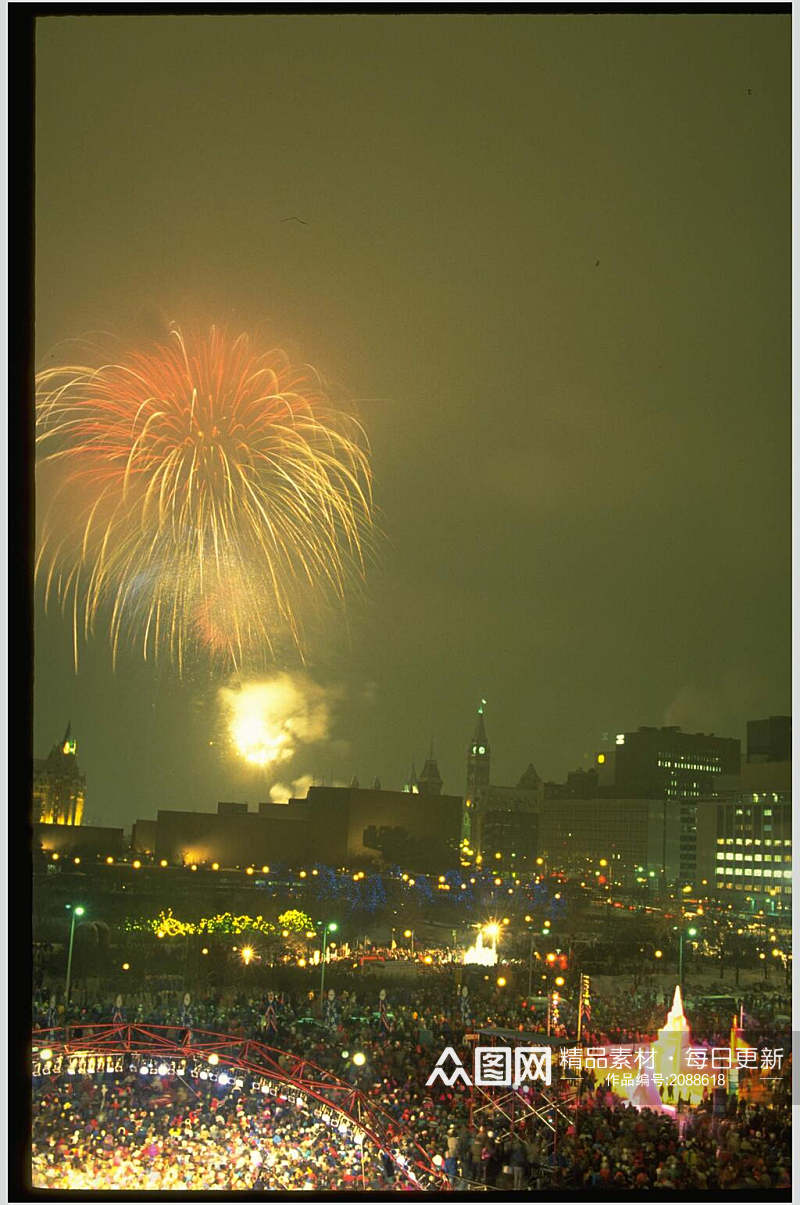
[[334, 825]]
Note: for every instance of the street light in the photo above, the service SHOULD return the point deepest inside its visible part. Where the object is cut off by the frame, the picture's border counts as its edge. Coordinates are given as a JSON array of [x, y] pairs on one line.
[[79, 911], [330, 927], [689, 933], [409, 933], [530, 959]]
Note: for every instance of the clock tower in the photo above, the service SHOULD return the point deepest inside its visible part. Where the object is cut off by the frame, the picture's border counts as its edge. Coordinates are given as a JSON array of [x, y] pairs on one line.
[[478, 764]]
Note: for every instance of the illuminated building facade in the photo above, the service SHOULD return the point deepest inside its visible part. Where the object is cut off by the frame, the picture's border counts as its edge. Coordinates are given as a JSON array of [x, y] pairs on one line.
[[59, 788], [746, 850], [744, 841]]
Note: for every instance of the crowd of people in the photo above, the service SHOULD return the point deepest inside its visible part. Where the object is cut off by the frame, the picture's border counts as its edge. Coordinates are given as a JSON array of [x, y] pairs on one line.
[[623, 1148], [172, 1134]]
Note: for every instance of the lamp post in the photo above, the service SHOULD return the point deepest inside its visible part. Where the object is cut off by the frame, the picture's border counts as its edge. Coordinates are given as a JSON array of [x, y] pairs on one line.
[[410, 933], [79, 911], [530, 968], [689, 933], [330, 927]]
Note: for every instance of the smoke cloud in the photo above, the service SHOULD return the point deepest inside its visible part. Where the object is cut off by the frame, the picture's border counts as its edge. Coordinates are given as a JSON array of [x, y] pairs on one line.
[[270, 720]]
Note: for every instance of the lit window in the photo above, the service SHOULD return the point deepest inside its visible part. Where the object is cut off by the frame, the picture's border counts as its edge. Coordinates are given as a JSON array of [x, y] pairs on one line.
[[739, 857], [767, 873], [757, 872], [757, 857], [748, 871], [738, 870], [729, 857]]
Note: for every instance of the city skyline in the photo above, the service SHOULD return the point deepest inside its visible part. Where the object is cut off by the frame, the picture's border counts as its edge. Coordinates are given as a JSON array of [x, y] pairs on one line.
[[560, 307], [267, 777]]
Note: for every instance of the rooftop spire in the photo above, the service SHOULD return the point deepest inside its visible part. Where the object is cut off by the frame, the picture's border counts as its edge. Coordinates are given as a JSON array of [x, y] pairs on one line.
[[430, 780], [479, 740]]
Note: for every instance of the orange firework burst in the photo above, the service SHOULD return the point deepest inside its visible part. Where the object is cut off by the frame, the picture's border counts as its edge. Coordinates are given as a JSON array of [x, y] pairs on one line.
[[201, 488]]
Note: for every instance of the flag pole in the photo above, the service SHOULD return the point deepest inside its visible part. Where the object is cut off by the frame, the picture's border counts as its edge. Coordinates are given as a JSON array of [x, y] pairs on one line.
[[580, 1006]]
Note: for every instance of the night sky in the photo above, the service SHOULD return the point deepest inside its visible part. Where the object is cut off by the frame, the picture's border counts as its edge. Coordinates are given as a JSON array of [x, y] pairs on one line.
[[549, 260]]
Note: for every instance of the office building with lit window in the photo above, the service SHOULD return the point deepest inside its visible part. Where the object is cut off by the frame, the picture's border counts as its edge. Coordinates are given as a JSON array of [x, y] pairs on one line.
[[691, 769], [745, 850], [744, 840]]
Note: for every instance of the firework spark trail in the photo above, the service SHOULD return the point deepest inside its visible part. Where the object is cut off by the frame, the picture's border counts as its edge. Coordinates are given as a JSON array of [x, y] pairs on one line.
[[201, 488]]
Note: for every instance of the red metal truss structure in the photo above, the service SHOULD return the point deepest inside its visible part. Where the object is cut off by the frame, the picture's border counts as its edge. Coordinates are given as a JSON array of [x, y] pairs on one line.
[[77, 1049], [521, 1108]]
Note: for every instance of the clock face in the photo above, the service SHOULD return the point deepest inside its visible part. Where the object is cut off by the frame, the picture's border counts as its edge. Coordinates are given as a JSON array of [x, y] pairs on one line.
[[481, 749], [474, 748]]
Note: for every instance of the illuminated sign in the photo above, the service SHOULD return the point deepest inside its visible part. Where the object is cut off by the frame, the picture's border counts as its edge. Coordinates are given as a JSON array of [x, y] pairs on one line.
[[85, 1063]]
